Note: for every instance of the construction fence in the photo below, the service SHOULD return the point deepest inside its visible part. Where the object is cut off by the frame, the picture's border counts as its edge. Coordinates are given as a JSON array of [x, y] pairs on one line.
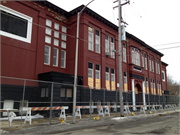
[[48, 102]]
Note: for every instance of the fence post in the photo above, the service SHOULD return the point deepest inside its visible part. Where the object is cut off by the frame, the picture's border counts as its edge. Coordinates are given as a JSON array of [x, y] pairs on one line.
[[149, 101], [90, 103], [104, 98], [116, 102], [51, 103], [23, 100]]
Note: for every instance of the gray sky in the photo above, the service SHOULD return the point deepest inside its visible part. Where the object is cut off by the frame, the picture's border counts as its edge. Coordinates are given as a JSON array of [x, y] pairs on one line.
[[156, 22]]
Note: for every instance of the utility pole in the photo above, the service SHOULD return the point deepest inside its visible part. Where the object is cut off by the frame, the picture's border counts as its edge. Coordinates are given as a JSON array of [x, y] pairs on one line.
[[120, 58], [76, 61]]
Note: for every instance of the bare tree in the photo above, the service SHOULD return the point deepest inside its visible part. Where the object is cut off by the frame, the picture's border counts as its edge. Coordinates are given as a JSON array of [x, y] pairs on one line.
[[173, 86]]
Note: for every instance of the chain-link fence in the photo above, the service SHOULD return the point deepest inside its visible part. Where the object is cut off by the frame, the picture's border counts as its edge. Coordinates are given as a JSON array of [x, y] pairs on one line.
[[48, 101]]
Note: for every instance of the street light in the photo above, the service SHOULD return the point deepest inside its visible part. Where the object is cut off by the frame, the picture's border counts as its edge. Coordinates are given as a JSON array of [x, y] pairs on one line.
[[76, 61]]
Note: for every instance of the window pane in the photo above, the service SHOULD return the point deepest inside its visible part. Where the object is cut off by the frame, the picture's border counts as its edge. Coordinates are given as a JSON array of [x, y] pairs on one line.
[[63, 37], [48, 22], [47, 55], [48, 39], [56, 34], [62, 92], [56, 26], [63, 44], [56, 42], [90, 43], [13, 24], [90, 73], [69, 93], [48, 31], [55, 57], [97, 74], [63, 58], [64, 29]]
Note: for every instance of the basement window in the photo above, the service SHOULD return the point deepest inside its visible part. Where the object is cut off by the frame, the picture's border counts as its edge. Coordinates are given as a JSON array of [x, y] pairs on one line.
[[15, 24]]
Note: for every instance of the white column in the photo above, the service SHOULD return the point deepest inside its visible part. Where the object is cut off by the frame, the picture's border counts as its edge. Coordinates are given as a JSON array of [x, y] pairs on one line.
[[133, 96], [144, 97]]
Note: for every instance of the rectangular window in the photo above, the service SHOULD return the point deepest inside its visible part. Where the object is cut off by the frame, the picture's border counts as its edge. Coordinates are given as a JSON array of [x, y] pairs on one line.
[[48, 22], [107, 73], [147, 86], [107, 79], [107, 43], [125, 82], [124, 52], [145, 61], [55, 57], [150, 63], [15, 24], [56, 42], [98, 77], [48, 31], [135, 56], [44, 92], [90, 75], [132, 53], [163, 76], [125, 77], [69, 93], [154, 86], [48, 39], [56, 26], [47, 52], [62, 92], [56, 34], [158, 87], [112, 48], [90, 70], [142, 59], [160, 92], [63, 44], [63, 58], [112, 75], [151, 86], [158, 67], [97, 41], [64, 29], [97, 71], [63, 37], [90, 39]]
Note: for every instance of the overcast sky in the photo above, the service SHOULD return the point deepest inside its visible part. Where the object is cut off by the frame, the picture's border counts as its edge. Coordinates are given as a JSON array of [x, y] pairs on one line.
[[156, 22]]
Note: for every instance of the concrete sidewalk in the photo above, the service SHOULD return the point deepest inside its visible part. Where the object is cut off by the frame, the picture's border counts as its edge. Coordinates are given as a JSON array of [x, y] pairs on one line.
[[80, 124]]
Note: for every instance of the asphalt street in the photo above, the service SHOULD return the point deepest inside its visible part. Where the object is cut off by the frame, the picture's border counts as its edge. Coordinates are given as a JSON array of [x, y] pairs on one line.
[[166, 124]]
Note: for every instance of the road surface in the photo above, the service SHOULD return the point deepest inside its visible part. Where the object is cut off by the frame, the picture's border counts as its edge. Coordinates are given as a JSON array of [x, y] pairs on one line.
[[167, 124]]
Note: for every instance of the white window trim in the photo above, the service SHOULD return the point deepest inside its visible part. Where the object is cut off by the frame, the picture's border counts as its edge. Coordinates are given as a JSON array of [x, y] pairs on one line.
[[113, 76], [164, 76], [64, 59], [49, 54], [56, 57], [145, 62], [99, 72], [29, 26], [124, 53], [107, 45], [99, 41], [91, 42]]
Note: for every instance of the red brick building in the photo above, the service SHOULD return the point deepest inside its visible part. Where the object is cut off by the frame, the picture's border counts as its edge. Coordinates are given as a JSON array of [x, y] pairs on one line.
[[38, 39]]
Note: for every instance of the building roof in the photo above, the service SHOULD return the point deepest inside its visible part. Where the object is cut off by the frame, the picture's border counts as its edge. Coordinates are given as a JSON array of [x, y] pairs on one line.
[[164, 63], [98, 17]]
